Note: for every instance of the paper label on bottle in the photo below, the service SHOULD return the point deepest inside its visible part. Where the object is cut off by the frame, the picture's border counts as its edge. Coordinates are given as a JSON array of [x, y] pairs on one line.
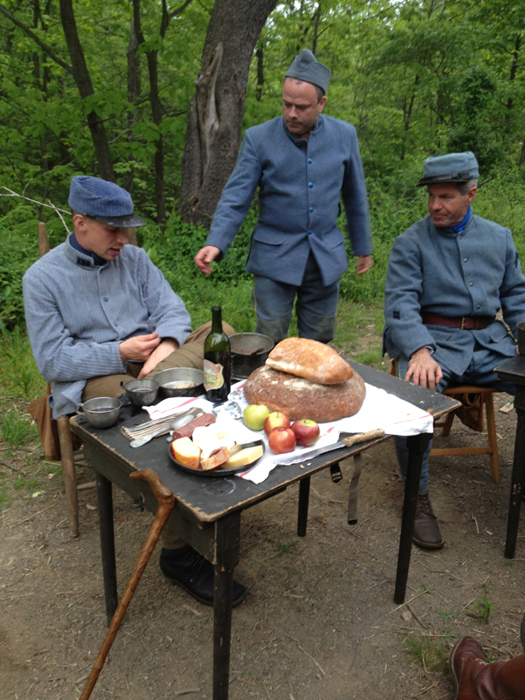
[[213, 375]]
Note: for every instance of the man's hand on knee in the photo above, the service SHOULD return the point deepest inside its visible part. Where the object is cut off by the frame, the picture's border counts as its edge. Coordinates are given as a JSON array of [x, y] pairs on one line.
[[139, 348], [423, 370], [160, 353]]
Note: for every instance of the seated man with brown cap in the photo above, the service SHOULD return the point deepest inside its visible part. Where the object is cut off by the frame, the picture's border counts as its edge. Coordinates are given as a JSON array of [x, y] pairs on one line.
[[99, 312], [448, 276]]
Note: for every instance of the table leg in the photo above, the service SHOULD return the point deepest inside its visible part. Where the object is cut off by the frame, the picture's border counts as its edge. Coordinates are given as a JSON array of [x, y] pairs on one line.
[[222, 622], [304, 498], [107, 543], [226, 548], [518, 475], [417, 444]]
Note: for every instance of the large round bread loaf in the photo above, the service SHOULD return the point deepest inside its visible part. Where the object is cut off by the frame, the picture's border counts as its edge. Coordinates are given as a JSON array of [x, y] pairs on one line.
[[300, 398], [309, 359]]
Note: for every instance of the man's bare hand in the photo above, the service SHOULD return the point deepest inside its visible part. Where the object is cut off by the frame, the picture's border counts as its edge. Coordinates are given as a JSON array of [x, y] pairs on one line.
[[364, 263], [423, 370], [139, 348], [160, 353], [205, 256]]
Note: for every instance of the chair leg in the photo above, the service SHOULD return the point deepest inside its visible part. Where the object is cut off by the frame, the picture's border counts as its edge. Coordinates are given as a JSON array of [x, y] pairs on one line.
[[68, 472], [492, 436], [447, 424]]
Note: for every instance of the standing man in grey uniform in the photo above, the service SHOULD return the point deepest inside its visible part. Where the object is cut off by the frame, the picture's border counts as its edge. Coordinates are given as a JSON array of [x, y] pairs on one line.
[[303, 163], [448, 275]]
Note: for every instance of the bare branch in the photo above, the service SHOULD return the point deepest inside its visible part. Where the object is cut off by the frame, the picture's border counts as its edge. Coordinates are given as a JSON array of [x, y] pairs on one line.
[[180, 9], [33, 36]]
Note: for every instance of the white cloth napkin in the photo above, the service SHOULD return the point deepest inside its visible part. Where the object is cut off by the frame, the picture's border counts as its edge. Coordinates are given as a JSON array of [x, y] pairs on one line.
[[175, 404], [380, 410]]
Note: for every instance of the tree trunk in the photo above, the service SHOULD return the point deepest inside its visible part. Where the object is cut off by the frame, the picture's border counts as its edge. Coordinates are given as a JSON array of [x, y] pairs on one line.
[[214, 125], [512, 76], [154, 98], [85, 88], [134, 83]]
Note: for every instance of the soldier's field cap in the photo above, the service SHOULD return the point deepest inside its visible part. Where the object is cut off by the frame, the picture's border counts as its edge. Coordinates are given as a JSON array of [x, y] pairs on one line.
[[306, 67], [454, 167], [103, 201]]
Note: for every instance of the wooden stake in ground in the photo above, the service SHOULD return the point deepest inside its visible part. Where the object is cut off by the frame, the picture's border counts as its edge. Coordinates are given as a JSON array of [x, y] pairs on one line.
[[166, 500]]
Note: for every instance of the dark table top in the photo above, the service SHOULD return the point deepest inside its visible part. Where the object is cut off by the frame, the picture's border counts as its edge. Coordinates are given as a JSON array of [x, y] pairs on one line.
[[512, 370], [211, 498]]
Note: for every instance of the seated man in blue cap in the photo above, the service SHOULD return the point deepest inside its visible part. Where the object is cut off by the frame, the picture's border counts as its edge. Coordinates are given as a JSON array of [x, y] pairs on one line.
[[303, 164], [448, 276], [99, 312]]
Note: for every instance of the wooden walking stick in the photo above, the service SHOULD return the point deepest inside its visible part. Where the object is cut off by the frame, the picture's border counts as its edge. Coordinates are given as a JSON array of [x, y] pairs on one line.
[[166, 500]]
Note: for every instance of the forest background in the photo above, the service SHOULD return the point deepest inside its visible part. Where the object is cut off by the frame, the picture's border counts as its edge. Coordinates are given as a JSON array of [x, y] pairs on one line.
[[121, 89]]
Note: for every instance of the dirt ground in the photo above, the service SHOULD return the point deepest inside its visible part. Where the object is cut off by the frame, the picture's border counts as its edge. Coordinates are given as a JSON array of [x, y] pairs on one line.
[[319, 622]]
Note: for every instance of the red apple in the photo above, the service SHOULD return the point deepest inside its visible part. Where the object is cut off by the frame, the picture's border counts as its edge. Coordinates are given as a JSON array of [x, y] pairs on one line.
[[306, 432], [276, 420], [282, 440]]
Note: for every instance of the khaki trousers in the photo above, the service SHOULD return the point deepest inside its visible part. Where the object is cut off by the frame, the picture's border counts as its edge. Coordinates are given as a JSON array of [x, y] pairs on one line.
[[190, 354]]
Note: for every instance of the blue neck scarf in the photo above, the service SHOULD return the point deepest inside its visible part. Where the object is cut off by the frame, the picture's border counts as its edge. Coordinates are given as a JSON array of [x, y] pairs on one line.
[[76, 245], [459, 227]]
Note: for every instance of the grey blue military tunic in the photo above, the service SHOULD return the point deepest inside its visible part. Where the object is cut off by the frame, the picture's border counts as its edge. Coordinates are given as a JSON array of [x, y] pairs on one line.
[[474, 272], [300, 184]]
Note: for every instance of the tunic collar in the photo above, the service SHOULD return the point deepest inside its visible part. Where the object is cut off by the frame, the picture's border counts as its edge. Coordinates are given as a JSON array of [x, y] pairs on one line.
[[80, 256], [458, 230], [301, 142]]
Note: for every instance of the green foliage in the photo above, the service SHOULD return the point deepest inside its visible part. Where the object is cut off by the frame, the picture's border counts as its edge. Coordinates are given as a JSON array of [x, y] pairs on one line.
[[483, 608], [19, 378], [285, 548], [228, 286], [432, 652], [17, 430]]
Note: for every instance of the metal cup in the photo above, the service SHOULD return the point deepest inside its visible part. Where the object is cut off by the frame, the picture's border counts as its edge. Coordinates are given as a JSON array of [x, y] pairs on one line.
[[141, 392], [101, 412]]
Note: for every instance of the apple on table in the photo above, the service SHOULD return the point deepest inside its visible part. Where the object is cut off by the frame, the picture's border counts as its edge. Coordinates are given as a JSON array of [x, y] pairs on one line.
[[306, 432], [282, 440], [254, 416], [277, 419]]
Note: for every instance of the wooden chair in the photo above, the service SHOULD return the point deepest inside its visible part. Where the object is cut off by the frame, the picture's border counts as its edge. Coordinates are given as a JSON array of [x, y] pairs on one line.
[[492, 438]]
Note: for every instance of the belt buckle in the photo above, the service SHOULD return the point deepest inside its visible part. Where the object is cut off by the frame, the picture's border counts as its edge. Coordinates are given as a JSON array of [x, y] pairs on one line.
[[462, 323]]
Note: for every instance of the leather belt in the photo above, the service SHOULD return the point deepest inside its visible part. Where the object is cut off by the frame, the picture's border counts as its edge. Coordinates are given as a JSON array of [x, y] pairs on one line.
[[467, 323]]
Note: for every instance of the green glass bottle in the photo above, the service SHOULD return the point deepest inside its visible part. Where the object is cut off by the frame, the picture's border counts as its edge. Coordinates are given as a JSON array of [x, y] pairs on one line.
[[217, 360]]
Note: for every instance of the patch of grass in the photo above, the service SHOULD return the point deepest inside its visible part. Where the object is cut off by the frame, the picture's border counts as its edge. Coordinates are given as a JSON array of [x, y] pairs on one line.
[[19, 375], [358, 331], [22, 482], [284, 548], [483, 608], [447, 615], [370, 357], [432, 652], [17, 430]]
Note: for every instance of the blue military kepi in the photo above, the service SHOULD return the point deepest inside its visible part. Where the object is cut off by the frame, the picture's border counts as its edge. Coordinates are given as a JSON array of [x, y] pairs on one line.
[[103, 201], [454, 167], [306, 67]]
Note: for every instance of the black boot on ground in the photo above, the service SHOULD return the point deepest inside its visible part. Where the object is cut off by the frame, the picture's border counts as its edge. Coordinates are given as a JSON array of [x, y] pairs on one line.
[[186, 568]]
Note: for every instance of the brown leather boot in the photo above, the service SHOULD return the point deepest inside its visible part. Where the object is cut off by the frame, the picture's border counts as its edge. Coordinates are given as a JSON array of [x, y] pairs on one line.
[[426, 530], [476, 679]]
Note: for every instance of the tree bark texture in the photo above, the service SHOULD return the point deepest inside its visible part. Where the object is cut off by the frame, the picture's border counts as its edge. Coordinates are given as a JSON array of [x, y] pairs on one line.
[[85, 88], [214, 125]]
